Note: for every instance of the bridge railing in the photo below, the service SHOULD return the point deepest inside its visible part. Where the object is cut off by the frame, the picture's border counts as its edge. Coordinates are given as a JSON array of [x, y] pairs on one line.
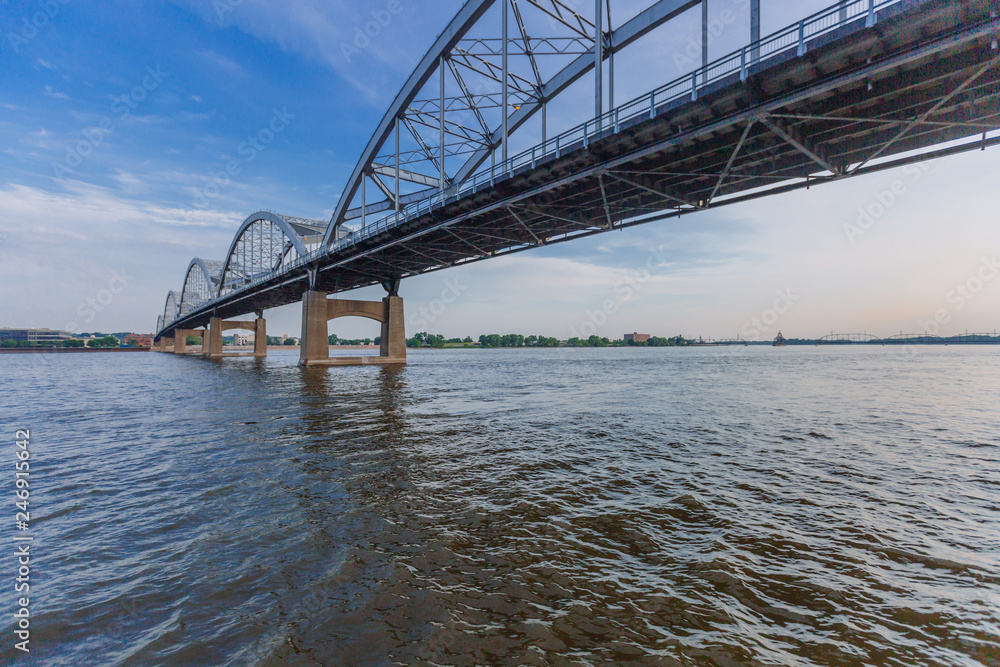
[[795, 37]]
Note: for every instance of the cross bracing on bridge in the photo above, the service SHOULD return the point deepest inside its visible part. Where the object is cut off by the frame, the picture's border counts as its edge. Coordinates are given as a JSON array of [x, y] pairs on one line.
[[861, 87]]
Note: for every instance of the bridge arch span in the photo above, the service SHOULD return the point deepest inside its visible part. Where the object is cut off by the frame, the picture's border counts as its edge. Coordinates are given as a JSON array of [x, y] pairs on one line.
[[262, 244], [201, 283], [849, 338], [450, 111], [171, 308]]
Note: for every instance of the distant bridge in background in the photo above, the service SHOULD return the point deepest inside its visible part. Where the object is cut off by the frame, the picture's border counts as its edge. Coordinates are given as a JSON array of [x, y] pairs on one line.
[[870, 339], [860, 87]]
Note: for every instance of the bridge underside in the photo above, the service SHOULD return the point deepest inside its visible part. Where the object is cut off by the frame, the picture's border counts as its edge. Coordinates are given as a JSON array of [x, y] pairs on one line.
[[861, 100]]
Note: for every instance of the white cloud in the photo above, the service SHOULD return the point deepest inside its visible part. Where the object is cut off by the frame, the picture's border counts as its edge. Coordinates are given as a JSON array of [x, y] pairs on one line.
[[320, 29], [70, 242], [56, 94]]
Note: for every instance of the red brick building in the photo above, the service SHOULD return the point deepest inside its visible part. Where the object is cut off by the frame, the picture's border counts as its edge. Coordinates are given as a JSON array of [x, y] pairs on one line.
[[138, 340], [637, 338]]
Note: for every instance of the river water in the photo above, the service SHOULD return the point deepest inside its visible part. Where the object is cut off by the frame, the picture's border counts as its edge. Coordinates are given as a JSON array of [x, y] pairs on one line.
[[795, 506]]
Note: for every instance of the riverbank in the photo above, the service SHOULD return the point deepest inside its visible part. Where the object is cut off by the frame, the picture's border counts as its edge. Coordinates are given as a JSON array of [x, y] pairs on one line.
[[196, 349]]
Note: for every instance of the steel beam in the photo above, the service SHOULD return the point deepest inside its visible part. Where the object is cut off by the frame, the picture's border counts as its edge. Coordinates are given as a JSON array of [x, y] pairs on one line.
[[604, 200], [652, 189], [504, 107], [408, 176], [800, 144], [384, 188], [521, 221], [704, 37], [599, 58], [396, 194], [732, 158], [444, 176]]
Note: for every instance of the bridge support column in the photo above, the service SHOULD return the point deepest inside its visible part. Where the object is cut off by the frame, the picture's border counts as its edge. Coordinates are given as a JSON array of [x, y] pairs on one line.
[[214, 350], [393, 343], [314, 344], [260, 338], [317, 310], [180, 342]]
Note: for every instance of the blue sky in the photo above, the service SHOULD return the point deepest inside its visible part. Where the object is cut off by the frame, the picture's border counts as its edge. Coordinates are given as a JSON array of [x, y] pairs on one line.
[[115, 118]]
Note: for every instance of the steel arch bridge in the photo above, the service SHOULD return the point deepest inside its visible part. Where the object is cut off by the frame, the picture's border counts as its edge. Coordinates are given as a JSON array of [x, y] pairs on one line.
[[465, 166], [903, 339], [834, 338]]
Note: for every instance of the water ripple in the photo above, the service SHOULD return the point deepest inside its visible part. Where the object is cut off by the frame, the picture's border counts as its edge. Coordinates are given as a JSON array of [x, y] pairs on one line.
[[651, 507]]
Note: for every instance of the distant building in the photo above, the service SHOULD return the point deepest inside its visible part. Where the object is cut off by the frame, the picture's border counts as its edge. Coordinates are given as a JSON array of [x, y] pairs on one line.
[[637, 338], [34, 335], [139, 340], [243, 340]]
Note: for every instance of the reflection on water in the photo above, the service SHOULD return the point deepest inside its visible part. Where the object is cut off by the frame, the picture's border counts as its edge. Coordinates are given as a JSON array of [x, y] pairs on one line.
[[661, 507]]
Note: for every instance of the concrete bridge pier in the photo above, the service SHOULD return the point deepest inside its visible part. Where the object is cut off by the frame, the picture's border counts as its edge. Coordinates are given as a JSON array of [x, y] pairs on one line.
[[181, 336], [213, 347], [260, 336], [317, 311], [393, 340], [217, 326]]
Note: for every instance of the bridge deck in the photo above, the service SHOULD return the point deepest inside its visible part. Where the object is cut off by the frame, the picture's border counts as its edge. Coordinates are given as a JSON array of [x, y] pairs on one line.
[[795, 121]]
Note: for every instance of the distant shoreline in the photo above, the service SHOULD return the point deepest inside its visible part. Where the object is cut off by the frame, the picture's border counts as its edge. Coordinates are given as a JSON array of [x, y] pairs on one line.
[[68, 350]]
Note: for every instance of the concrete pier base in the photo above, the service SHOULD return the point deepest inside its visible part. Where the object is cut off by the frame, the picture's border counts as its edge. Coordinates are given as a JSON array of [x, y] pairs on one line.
[[317, 311]]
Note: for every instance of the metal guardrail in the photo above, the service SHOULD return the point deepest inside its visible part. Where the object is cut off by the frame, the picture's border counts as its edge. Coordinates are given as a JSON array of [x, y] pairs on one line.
[[795, 37]]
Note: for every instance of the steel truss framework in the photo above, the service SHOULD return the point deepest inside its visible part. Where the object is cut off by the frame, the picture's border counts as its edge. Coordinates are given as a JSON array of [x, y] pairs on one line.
[[171, 309], [866, 86], [494, 68], [263, 245], [201, 284], [849, 338]]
